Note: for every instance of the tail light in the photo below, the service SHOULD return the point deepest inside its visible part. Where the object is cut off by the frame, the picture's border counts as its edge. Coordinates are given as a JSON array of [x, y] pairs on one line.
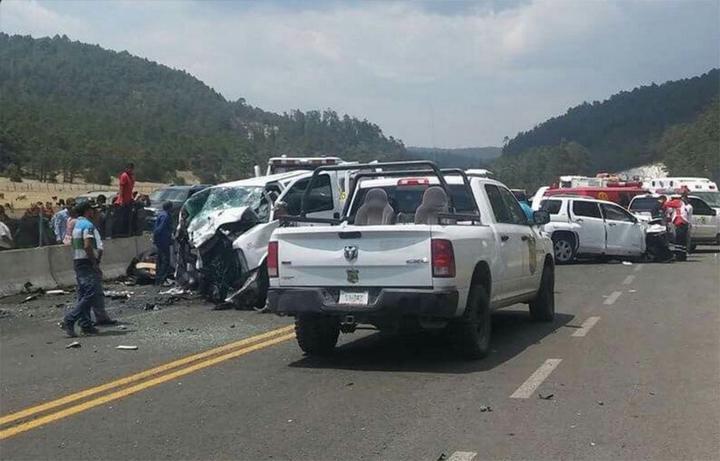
[[413, 182], [272, 259], [443, 258]]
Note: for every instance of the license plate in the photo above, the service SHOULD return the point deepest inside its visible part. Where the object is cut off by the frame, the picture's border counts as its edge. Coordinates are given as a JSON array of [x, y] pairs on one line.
[[354, 298]]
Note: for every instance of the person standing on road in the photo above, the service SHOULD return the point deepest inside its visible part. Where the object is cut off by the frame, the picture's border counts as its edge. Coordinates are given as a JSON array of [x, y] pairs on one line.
[[98, 307], [125, 200], [162, 238], [60, 219], [87, 272]]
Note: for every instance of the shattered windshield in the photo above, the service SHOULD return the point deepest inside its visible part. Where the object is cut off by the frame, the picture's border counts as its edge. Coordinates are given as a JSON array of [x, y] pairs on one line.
[[220, 198]]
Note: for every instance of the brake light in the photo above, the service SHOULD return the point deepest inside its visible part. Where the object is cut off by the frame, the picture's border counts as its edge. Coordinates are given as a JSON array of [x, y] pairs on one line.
[[272, 259], [413, 182], [443, 258]]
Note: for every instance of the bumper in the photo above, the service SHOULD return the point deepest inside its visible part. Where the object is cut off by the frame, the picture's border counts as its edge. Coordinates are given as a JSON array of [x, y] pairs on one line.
[[383, 302]]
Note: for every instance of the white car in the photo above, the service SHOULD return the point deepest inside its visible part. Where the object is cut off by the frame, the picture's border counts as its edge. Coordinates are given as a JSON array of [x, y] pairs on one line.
[[584, 226], [413, 250], [704, 223]]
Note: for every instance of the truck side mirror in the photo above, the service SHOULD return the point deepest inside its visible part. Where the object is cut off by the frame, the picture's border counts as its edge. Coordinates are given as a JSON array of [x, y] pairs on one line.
[[541, 217]]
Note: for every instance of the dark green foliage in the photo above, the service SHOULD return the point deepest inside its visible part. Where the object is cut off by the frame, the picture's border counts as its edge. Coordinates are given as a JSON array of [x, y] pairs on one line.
[[693, 149], [467, 157], [624, 130], [14, 173], [74, 108], [541, 166]]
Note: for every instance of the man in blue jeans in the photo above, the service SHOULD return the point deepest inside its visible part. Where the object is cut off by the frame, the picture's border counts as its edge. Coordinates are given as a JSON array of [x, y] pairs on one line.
[[87, 273], [162, 238]]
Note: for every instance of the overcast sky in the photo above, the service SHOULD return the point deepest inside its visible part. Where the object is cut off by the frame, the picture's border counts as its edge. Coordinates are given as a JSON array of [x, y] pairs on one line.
[[443, 74]]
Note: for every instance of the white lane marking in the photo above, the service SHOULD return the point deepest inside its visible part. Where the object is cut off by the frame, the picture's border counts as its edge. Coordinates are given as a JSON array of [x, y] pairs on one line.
[[462, 456], [638, 267], [628, 280], [610, 300], [536, 379], [585, 327]]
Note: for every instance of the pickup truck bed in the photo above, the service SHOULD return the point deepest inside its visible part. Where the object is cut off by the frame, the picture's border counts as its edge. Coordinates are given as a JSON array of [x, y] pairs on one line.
[[445, 274]]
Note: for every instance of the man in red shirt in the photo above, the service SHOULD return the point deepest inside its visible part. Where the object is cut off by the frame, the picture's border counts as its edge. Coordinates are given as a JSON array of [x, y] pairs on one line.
[[125, 200]]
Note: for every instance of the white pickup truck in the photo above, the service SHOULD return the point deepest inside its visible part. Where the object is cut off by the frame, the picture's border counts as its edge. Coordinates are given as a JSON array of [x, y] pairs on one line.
[[415, 248]]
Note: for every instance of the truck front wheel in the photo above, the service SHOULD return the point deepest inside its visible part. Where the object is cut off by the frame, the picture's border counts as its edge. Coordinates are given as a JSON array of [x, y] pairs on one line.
[[316, 334], [471, 334], [542, 308]]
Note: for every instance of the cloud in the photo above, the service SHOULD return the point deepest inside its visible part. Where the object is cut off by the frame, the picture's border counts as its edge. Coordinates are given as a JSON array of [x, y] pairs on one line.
[[431, 73]]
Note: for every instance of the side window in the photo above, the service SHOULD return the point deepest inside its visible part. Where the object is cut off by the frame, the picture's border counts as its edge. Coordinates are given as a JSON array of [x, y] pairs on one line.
[[615, 213], [551, 206], [586, 209], [517, 215], [319, 199], [700, 208], [500, 210]]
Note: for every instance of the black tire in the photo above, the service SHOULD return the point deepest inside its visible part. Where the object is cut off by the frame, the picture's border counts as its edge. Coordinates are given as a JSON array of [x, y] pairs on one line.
[[542, 308], [316, 334], [263, 283], [693, 246], [471, 334], [563, 248]]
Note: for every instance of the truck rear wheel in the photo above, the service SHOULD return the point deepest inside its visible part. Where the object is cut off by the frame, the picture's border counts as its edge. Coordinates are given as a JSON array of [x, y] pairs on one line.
[[471, 334], [542, 308], [316, 334]]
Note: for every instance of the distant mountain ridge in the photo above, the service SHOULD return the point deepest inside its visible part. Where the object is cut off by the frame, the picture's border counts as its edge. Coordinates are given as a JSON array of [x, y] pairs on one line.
[[79, 109], [625, 130], [463, 157]]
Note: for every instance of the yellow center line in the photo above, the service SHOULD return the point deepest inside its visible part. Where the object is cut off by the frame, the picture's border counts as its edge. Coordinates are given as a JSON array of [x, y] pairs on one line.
[[139, 376], [20, 428]]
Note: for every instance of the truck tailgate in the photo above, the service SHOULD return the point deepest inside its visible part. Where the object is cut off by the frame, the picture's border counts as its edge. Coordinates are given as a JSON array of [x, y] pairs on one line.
[[367, 256]]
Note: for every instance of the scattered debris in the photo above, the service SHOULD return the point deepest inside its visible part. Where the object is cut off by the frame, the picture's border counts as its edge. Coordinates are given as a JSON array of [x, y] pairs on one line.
[[651, 393], [114, 294], [627, 263], [485, 408], [122, 327], [176, 291], [592, 444], [600, 402], [232, 326], [31, 298], [56, 292], [632, 291], [29, 288], [442, 457], [73, 345], [127, 348], [350, 383], [546, 397], [151, 307]]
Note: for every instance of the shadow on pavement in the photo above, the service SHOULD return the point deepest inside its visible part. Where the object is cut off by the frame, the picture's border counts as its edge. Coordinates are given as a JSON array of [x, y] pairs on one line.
[[705, 251], [513, 332]]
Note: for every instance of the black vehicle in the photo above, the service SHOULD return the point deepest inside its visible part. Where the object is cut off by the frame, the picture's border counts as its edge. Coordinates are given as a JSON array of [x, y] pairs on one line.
[[174, 194]]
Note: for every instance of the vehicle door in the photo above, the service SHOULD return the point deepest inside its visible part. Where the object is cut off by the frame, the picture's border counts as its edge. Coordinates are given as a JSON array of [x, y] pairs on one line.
[[625, 235], [529, 272], [321, 200], [703, 220], [591, 230], [509, 233]]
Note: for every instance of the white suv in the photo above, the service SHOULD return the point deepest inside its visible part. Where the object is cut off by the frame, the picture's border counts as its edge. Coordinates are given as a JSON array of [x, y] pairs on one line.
[[584, 226]]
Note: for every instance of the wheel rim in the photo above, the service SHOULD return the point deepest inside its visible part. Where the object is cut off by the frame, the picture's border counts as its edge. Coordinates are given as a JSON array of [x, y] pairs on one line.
[[563, 250]]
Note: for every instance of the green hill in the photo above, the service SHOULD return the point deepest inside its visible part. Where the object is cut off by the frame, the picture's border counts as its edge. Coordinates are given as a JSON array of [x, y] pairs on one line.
[[78, 109], [464, 157], [624, 130]]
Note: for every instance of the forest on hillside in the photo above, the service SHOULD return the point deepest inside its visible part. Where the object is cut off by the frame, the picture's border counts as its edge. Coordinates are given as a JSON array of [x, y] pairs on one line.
[[78, 110], [676, 122]]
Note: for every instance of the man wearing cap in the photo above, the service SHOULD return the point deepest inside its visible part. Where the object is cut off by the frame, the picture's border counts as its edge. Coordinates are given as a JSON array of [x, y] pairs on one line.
[[87, 272]]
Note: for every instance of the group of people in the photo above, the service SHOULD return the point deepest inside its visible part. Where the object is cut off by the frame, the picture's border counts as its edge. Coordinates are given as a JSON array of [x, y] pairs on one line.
[[678, 212]]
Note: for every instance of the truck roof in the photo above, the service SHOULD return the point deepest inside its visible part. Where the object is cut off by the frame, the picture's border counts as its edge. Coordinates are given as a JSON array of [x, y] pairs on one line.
[[261, 181]]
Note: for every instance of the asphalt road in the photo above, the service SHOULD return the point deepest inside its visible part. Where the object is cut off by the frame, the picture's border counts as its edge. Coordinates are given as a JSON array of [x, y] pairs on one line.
[[630, 369]]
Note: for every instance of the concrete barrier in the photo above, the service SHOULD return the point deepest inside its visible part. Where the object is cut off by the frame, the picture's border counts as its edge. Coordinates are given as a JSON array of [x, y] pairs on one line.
[[50, 267], [17, 267]]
